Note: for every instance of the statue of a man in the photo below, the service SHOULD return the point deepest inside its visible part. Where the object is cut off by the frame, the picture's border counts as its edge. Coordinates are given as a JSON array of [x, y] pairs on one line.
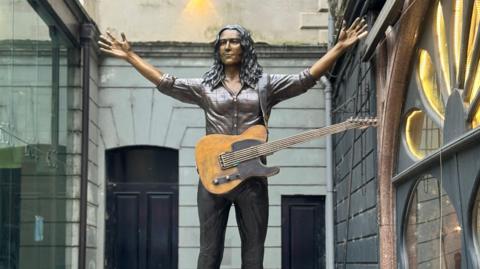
[[229, 94]]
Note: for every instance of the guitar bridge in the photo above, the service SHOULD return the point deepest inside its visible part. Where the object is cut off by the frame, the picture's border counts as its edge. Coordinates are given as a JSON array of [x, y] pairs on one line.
[[221, 160]]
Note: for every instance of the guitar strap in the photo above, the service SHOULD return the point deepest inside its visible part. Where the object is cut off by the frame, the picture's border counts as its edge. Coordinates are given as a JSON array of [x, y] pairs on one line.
[[263, 85]]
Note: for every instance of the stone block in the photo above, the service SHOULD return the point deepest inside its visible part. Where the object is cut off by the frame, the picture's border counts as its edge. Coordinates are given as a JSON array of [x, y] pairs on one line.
[[313, 20]]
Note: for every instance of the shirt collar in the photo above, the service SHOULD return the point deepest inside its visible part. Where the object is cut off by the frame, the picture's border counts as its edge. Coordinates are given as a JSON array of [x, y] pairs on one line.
[[220, 83]]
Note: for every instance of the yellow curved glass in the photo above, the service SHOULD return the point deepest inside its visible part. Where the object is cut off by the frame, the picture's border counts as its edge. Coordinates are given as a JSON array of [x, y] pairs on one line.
[[442, 45], [457, 24], [476, 119], [428, 80], [422, 135], [473, 29], [413, 133], [476, 84]]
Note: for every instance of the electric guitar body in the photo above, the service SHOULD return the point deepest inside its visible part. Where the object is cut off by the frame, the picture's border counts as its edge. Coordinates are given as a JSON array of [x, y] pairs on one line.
[[219, 180]]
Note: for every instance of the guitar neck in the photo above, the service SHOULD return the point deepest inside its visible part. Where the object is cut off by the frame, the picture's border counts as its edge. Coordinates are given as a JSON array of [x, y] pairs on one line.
[[276, 145]]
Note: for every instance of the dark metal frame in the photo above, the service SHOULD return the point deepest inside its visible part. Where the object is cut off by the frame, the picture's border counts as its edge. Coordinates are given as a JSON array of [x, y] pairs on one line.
[[388, 16]]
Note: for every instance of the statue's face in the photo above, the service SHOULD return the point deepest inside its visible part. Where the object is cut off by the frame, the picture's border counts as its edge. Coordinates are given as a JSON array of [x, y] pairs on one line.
[[230, 49]]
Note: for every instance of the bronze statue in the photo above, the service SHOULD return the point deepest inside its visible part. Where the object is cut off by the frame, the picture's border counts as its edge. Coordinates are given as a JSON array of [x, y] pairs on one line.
[[235, 95]]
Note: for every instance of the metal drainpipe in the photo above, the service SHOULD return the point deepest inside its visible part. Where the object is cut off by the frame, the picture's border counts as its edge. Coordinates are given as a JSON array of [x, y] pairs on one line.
[[329, 223], [329, 245], [86, 35]]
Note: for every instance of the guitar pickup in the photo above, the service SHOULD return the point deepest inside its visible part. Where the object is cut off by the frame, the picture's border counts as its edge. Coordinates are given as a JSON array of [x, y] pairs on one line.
[[226, 179]]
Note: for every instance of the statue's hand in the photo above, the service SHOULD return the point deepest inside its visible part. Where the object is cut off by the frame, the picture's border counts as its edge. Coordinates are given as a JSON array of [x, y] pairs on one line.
[[350, 36], [114, 47]]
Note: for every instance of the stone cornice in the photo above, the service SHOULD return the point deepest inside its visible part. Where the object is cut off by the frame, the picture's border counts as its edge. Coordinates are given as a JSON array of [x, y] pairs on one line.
[[205, 50]]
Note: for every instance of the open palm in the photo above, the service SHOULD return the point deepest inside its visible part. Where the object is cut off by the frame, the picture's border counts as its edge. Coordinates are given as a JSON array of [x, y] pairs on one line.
[[350, 36], [114, 47]]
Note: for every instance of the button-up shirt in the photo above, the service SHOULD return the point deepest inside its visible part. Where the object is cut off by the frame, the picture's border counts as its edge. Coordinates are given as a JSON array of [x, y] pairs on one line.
[[230, 113]]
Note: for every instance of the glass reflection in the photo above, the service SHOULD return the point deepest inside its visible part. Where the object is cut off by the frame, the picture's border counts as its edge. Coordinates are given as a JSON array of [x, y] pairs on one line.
[[433, 234], [36, 216]]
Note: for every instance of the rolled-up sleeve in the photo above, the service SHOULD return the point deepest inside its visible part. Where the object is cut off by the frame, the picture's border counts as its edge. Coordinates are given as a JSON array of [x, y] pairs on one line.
[[283, 87], [185, 90]]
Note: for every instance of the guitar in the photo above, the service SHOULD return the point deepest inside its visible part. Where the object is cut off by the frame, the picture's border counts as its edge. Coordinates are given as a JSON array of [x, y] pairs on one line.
[[225, 161]]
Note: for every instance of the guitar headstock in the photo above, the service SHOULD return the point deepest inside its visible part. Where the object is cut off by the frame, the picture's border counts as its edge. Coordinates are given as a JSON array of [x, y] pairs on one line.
[[363, 121]]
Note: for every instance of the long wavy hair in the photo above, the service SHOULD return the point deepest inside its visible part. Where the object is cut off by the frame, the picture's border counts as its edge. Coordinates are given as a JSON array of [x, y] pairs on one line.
[[250, 69]]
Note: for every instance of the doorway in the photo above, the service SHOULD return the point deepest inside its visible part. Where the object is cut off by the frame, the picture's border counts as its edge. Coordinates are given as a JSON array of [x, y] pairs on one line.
[[303, 232], [142, 208]]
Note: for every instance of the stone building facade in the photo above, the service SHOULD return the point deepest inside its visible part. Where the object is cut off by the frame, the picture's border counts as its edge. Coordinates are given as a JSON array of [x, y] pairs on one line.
[[68, 110]]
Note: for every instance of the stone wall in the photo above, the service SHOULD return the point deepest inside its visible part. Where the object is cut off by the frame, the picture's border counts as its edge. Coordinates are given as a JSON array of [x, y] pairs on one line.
[[132, 112], [271, 21]]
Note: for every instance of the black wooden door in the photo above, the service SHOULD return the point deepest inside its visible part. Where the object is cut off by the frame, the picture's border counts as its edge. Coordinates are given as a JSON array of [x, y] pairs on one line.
[[142, 208], [303, 232]]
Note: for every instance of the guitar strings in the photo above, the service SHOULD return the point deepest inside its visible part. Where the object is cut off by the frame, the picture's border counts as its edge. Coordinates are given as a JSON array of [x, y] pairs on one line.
[[262, 149], [233, 158]]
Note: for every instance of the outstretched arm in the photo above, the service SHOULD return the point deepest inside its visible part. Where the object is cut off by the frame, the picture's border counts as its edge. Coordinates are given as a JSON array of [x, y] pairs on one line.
[[122, 50], [346, 39]]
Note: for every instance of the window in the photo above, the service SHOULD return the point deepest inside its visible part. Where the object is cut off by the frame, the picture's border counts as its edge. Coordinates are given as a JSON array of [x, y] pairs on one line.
[[437, 71], [38, 226], [433, 235], [436, 167]]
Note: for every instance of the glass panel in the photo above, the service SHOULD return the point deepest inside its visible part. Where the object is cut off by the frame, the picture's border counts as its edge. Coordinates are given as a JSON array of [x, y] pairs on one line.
[[442, 45], [476, 84], [428, 80], [433, 235], [457, 13], [422, 135], [37, 219], [476, 22], [476, 118]]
